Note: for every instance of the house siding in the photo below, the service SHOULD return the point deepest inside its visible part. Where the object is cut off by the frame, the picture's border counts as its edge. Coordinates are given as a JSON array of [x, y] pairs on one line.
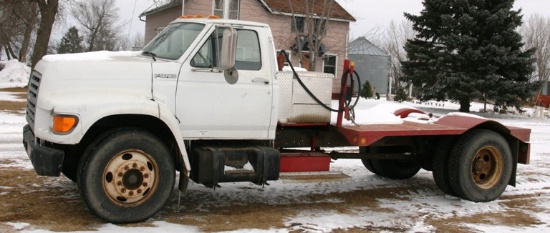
[[160, 19], [335, 39]]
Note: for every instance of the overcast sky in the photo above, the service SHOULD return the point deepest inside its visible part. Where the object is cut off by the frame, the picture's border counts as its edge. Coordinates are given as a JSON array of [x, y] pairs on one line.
[[370, 14]]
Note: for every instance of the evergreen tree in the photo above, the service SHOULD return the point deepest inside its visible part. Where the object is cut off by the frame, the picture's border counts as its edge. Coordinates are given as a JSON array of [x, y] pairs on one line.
[[400, 95], [468, 49], [71, 42], [366, 90]]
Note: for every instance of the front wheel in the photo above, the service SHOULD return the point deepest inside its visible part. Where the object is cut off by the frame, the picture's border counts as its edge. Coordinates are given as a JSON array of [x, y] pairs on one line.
[[480, 166], [126, 177]]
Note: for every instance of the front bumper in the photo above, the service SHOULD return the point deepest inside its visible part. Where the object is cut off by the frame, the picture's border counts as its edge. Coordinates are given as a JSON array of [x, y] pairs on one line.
[[45, 160]]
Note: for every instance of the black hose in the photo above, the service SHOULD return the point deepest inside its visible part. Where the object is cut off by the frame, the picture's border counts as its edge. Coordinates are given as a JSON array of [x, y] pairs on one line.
[[347, 102]]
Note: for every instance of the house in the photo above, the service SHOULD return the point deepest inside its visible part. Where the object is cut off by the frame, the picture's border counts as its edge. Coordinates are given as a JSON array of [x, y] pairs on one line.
[[287, 20], [371, 63]]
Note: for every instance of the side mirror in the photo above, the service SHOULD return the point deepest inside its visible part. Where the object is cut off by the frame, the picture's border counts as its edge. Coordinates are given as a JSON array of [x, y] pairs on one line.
[[228, 48]]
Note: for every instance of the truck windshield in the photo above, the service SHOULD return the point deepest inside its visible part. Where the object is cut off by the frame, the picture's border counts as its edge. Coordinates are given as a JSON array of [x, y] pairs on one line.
[[173, 41]]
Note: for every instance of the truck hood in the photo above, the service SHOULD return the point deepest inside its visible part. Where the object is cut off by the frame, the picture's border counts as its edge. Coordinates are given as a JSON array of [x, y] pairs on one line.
[[102, 70]]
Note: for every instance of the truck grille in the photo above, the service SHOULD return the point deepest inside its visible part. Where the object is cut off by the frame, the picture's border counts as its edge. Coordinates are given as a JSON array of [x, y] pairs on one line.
[[34, 85]]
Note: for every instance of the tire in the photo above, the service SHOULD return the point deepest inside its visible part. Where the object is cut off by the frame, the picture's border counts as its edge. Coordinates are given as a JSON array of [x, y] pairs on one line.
[[440, 166], [368, 164], [126, 176], [480, 166], [395, 169], [70, 167]]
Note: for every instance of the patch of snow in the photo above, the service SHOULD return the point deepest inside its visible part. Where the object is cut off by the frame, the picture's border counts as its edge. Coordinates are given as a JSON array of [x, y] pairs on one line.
[[369, 111], [18, 225], [14, 74], [9, 96], [90, 56], [465, 115], [297, 69]]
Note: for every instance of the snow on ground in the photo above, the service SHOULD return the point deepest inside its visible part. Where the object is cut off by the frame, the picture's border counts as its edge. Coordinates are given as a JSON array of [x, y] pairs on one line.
[[14, 74], [405, 211], [424, 202]]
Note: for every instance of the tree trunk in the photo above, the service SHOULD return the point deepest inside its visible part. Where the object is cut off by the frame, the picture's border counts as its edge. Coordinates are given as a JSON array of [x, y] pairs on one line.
[[27, 37], [464, 105], [48, 10], [7, 52], [10, 52]]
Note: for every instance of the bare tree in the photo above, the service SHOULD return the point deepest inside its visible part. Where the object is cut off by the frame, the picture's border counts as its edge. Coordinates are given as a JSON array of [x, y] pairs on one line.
[[136, 42], [18, 21], [394, 42], [48, 11], [309, 21], [536, 34], [98, 19]]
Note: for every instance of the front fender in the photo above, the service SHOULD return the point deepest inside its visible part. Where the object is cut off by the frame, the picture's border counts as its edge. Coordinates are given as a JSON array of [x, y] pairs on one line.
[[92, 106], [173, 124], [89, 106]]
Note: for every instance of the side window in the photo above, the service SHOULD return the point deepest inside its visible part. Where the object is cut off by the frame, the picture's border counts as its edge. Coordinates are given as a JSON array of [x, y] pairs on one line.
[[207, 56], [248, 56], [248, 51]]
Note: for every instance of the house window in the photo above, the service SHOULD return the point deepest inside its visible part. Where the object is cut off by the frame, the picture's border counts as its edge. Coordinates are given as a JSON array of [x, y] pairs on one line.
[[299, 24], [227, 9], [329, 64]]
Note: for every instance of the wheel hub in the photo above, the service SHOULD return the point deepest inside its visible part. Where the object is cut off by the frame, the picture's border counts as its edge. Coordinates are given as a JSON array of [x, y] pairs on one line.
[[129, 177], [487, 167]]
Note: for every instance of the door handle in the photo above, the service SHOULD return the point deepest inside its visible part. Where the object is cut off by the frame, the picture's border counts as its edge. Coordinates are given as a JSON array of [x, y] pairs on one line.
[[261, 80]]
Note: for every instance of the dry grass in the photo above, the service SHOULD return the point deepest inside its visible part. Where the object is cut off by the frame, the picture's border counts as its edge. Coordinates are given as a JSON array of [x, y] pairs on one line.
[[14, 106]]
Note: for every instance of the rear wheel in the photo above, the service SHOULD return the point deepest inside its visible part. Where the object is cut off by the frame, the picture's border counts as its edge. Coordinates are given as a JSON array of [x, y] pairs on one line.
[[440, 166], [395, 169], [126, 177], [368, 164], [480, 166]]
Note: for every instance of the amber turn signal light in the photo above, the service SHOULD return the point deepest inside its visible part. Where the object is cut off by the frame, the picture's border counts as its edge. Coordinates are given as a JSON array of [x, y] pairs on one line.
[[63, 124]]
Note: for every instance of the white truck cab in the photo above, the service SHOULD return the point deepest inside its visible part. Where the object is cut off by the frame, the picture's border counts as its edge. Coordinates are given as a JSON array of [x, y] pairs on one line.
[[199, 79]]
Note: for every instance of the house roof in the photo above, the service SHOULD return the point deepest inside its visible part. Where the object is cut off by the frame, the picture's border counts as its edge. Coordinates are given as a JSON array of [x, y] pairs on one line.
[[279, 7], [160, 8], [299, 8], [362, 46]]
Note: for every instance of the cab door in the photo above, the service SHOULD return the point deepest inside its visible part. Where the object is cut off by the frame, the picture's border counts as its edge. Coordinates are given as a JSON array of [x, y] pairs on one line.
[[214, 104]]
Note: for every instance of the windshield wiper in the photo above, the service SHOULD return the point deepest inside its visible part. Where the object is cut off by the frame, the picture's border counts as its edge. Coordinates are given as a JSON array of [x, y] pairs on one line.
[[147, 53]]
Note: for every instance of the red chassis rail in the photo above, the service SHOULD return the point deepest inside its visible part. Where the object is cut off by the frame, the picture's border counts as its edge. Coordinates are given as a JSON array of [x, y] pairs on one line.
[[323, 135]]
